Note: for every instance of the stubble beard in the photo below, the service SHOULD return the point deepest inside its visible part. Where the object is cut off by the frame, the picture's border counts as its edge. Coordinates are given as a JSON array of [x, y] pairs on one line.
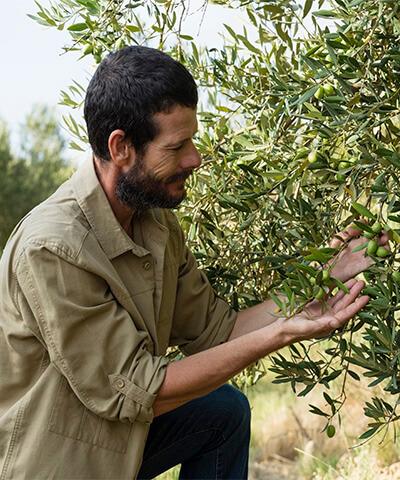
[[141, 190]]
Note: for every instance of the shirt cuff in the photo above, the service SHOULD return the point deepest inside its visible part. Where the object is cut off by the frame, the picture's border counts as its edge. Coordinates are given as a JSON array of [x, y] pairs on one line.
[[217, 331], [138, 401]]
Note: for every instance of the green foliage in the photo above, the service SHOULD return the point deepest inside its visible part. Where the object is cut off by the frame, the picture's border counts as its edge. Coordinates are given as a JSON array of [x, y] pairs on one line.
[[300, 136], [35, 173]]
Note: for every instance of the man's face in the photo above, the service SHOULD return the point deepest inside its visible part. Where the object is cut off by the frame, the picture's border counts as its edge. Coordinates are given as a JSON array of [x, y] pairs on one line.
[[157, 177]]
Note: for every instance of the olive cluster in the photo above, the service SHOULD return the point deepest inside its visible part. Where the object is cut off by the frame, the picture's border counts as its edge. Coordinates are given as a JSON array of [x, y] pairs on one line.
[[322, 282], [342, 166], [326, 90], [373, 249]]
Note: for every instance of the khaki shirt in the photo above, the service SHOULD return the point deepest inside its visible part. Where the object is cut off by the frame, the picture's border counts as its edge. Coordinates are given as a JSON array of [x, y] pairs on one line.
[[86, 317]]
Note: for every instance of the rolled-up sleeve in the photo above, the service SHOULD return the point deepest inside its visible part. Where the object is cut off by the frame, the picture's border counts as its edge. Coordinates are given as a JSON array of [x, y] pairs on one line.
[[91, 339], [202, 320]]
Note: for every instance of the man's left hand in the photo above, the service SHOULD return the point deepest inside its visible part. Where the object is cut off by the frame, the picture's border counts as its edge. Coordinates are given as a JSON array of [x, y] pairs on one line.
[[348, 264]]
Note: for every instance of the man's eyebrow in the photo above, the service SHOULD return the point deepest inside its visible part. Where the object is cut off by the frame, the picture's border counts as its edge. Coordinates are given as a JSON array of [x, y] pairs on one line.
[[179, 142]]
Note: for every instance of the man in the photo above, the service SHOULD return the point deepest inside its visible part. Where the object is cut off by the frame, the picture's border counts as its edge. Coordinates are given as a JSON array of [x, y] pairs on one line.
[[96, 283]]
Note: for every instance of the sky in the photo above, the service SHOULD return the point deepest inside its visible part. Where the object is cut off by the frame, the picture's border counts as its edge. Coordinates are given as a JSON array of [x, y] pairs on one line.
[[35, 70]]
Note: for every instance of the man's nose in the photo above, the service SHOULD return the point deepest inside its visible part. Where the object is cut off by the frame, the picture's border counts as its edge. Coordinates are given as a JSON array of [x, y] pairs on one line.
[[191, 158]]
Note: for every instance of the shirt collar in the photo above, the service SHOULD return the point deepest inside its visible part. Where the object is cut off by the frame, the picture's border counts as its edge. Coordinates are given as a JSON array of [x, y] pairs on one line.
[[97, 209]]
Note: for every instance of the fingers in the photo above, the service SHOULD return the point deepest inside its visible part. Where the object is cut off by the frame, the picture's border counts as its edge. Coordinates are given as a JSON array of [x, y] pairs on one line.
[[384, 239], [344, 236], [333, 300], [350, 297], [351, 232], [342, 316]]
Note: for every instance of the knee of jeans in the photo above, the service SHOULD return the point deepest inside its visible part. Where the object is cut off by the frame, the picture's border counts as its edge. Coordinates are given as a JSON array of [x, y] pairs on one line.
[[236, 403]]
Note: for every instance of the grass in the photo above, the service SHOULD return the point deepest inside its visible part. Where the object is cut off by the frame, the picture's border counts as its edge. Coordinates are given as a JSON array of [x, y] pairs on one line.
[[284, 429], [172, 474]]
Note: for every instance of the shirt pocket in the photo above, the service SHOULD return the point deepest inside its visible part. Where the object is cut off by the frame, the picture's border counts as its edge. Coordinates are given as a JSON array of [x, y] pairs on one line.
[[70, 418]]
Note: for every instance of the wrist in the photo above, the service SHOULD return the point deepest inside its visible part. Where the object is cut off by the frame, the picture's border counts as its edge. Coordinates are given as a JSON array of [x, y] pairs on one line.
[[284, 337]]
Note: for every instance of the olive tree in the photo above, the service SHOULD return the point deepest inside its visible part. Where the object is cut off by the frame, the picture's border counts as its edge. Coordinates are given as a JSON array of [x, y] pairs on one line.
[[33, 172], [300, 129]]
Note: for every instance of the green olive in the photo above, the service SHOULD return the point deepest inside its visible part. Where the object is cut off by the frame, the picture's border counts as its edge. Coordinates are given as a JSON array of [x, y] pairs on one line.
[[377, 227], [325, 275], [368, 235], [382, 252], [372, 247], [396, 276], [340, 177], [312, 156], [328, 89], [320, 294], [343, 165], [330, 431], [320, 93]]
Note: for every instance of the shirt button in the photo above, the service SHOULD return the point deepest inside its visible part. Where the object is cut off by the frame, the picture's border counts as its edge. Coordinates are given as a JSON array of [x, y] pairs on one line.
[[120, 383], [147, 265]]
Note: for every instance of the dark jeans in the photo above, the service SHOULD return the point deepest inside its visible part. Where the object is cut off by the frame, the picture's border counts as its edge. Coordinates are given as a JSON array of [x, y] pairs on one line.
[[209, 436]]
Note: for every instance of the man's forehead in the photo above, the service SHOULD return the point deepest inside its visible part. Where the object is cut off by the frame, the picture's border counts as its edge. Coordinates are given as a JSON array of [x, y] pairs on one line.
[[176, 121]]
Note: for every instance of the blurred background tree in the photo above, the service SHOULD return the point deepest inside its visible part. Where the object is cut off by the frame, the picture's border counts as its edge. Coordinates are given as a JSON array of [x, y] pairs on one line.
[[300, 129], [34, 171]]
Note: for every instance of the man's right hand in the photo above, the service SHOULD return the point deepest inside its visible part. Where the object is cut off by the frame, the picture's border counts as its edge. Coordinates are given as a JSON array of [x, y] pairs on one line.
[[320, 319], [348, 263]]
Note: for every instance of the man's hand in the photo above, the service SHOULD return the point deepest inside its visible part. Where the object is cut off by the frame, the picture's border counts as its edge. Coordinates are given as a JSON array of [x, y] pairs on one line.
[[348, 264], [319, 320]]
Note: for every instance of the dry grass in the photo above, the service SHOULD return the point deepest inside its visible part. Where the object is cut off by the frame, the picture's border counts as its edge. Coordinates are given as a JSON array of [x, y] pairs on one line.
[[286, 437], [172, 474]]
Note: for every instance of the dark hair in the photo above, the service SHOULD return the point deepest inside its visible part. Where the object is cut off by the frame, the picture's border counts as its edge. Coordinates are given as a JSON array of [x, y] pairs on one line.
[[127, 89]]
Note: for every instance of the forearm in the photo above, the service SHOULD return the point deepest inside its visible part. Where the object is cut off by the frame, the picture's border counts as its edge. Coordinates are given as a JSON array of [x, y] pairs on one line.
[[254, 318], [203, 372]]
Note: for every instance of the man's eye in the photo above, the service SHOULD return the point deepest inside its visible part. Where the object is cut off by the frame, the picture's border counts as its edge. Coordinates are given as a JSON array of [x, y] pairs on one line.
[[178, 147]]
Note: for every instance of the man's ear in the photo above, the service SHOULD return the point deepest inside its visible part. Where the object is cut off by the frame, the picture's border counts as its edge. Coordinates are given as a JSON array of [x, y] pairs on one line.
[[121, 150]]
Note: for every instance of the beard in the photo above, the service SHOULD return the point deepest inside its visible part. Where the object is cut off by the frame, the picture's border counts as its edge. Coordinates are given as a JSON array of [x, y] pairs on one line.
[[141, 190]]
